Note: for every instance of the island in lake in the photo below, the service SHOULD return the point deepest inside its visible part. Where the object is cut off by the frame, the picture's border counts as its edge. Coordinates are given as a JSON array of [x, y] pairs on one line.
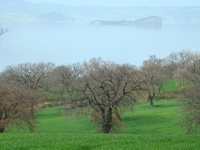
[[149, 22]]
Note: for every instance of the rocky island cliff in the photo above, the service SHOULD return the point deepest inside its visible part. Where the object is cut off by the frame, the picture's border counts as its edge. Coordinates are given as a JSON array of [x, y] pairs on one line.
[[148, 22]]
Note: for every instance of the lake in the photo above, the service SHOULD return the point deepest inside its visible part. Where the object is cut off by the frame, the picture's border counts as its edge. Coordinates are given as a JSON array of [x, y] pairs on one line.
[[66, 43]]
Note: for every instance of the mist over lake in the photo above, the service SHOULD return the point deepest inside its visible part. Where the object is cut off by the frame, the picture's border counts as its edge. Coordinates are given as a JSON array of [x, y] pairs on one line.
[[66, 43]]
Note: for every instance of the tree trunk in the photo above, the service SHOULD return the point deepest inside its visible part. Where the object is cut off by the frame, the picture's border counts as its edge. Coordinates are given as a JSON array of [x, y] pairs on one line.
[[151, 100], [151, 97], [117, 114], [2, 130], [2, 126], [103, 117], [108, 122]]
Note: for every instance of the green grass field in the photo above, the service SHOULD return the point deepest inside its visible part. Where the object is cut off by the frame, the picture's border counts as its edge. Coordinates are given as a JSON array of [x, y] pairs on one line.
[[144, 128], [80, 141], [171, 85]]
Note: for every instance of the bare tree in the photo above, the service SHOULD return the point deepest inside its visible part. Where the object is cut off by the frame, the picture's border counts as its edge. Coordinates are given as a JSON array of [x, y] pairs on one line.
[[2, 79], [154, 77], [30, 75], [188, 70], [174, 61], [188, 67], [57, 83], [170, 65], [65, 76], [17, 107], [191, 108], [104, 86]]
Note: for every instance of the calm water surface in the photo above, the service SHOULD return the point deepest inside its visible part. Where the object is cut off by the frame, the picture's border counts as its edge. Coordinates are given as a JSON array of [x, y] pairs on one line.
[[64, 43]]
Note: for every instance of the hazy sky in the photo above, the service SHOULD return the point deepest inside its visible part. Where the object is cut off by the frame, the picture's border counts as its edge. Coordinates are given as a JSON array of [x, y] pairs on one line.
[[125, 2]]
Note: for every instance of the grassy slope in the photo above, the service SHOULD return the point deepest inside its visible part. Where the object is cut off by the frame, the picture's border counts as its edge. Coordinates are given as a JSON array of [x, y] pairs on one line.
[[171, 85], [161, 119], [145, 128]]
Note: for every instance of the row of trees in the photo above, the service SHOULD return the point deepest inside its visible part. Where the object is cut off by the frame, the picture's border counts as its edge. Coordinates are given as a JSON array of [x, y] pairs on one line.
[[102, 87]]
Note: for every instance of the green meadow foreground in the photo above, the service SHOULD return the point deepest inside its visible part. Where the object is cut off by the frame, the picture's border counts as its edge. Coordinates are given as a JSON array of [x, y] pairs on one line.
[[144, 128]]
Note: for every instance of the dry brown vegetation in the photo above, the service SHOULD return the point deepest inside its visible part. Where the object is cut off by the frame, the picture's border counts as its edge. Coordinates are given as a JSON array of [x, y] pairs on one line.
[[18, 107]]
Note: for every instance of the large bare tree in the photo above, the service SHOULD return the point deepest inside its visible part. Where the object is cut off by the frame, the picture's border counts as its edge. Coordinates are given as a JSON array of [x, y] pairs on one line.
[[104, 87], [154, 76], [188, 71], [18, 107], [29, 75]]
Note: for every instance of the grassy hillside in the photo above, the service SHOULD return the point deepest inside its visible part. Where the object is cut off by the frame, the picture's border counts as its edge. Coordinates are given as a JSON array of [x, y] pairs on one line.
[[161, 119], [144, 128], [171, 85]]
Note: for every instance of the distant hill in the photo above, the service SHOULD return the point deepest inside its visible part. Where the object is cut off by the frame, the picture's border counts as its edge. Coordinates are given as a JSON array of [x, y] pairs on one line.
[[178, 15], [54, 16], [148, 22]]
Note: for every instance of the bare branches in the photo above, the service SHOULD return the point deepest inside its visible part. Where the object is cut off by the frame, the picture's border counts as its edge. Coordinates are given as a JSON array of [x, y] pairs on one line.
[[104, 86], [29, 75], [188, 69], [154, 76], [17, 107]]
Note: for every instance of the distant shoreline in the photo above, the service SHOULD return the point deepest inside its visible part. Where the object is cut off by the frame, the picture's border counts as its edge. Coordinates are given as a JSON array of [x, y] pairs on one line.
[[148, 22]]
